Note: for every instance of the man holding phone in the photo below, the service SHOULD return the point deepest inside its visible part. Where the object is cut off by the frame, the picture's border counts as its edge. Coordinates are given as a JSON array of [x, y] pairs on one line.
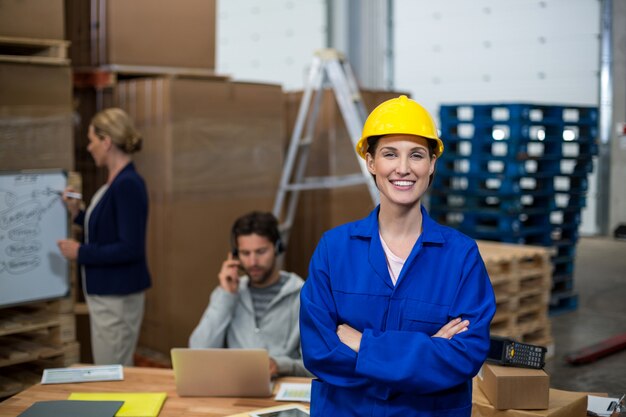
[[255, 305]]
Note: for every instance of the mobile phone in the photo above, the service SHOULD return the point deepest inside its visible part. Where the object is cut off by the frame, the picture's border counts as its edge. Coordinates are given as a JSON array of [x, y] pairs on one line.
[[235, 253]]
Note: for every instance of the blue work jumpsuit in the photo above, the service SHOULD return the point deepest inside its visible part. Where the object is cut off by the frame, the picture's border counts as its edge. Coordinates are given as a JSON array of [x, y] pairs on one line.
[[400, 369]]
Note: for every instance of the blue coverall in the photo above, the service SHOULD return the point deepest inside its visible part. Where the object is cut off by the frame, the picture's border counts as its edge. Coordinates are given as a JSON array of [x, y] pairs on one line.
[[400, 369]]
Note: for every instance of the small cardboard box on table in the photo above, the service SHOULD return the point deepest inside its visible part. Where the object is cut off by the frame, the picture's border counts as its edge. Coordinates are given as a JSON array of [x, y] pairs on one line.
[[510, 387], [509, 392]]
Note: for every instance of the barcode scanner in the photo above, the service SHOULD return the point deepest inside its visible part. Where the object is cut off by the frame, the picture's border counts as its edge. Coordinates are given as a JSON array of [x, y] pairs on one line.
[[508, 352]]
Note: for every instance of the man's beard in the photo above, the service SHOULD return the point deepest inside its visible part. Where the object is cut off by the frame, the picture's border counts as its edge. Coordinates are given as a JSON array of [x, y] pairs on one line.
[[267, 274]]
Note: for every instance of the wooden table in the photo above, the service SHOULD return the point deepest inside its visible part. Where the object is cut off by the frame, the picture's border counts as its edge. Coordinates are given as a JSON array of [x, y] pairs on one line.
[[144, 380]]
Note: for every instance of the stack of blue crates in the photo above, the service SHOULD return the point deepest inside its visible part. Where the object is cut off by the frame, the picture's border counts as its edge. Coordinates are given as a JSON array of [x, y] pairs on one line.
[[517, 173]]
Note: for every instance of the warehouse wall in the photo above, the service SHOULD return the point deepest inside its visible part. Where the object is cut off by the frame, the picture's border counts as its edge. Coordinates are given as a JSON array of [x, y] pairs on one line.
[[270, 40]]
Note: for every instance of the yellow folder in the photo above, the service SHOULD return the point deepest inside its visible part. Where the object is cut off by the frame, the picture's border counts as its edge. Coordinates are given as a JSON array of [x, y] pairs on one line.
[[136, 404]]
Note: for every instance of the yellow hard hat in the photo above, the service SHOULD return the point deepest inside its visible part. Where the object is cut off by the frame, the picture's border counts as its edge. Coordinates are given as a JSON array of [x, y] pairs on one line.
[[399, 116]]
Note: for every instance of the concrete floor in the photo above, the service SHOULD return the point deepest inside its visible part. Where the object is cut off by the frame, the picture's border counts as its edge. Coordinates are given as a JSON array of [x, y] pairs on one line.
[[600, 279]]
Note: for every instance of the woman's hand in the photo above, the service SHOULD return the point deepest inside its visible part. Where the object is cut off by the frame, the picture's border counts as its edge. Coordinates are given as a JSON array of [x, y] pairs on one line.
[[349, 337], [453, 328], [69, 248], [72, 204]]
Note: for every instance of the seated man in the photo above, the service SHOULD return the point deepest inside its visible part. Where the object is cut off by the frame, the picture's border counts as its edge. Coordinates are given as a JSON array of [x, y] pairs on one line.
[[260, 308]]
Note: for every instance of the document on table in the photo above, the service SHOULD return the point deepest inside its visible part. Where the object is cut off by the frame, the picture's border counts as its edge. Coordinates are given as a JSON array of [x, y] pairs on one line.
[[289, 391], [83, 374]]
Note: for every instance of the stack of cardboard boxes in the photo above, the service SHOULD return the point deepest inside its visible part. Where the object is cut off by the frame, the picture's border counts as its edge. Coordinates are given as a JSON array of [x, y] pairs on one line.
[[36, 99], [121, 34], [35, 134], [117, 39], [213, 151]]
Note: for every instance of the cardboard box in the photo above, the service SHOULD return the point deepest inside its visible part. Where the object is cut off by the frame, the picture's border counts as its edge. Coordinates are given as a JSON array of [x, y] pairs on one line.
[[509, 387], [159, 33], [561, 404], [212, 151], [35, 117], [32, 19]]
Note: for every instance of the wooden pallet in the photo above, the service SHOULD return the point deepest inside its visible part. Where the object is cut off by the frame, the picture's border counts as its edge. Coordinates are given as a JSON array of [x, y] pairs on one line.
[[507, 258], [34, 51], [19, 376], [35, 336]]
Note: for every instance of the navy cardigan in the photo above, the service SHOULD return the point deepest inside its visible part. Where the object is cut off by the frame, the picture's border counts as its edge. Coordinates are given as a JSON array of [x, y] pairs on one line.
[[115, 257]]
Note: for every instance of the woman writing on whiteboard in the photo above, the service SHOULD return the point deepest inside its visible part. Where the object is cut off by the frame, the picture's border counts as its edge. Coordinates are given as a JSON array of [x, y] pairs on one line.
[[395, 312], [113, 254]]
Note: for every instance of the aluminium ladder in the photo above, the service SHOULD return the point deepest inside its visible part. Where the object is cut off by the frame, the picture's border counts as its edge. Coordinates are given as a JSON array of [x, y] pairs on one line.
[[329, 68]]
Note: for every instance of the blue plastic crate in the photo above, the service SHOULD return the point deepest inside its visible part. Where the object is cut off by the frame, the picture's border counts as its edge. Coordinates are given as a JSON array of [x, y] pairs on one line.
[[563, 285], [563, 302], [451, 200], [505, 190], [505, 223], [517, 132], [558, 278], [538, 113], [488, 184], [538, 240], [563, 265], [519, 165]]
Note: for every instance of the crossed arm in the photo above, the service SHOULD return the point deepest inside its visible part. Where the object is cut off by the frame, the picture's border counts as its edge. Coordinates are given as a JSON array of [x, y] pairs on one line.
[[352, 337]]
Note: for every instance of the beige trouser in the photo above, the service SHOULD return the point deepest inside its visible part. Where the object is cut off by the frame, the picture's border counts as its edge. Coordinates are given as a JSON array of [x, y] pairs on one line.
[[115, 324]]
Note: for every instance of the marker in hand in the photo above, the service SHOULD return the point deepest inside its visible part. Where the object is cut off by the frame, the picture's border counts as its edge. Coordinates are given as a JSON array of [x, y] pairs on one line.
[[70, 194]]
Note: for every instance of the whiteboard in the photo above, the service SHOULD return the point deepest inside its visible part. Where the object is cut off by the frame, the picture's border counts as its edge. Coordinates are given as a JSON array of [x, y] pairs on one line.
[[32, 219]]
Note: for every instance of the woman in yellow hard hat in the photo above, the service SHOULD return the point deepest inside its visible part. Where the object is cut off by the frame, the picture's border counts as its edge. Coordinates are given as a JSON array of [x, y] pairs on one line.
[[395, 313]]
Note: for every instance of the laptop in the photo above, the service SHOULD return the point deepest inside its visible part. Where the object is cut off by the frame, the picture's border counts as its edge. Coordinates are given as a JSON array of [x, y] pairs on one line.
[[221, 372]]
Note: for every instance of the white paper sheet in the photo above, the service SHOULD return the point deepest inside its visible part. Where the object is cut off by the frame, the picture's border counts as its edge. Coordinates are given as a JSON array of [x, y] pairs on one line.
[[289, 391], [83, 374], [599, 406]]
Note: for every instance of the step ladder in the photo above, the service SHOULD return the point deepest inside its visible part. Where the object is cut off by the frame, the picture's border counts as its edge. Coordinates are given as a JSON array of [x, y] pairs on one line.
[[329, 68]]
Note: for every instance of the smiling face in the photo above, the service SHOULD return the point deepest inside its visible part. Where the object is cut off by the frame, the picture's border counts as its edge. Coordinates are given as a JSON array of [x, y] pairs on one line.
[[402, 165]]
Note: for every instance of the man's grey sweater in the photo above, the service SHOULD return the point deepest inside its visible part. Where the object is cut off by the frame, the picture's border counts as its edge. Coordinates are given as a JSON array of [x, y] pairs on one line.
[[229, 321]]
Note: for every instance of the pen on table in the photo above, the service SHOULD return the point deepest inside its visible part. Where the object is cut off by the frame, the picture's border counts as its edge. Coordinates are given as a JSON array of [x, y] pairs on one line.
[[70, 194]]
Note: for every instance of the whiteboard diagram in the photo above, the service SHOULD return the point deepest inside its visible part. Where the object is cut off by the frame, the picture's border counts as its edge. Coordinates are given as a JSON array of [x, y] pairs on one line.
[[32, 219]]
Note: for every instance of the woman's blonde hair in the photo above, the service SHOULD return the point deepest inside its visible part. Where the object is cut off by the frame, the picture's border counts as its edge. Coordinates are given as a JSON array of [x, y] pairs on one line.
[[117, 124]]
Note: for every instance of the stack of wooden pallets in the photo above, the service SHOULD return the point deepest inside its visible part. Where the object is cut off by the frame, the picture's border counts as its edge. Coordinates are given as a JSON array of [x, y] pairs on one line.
[[518, 173], [521, 277], [33, 337]]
